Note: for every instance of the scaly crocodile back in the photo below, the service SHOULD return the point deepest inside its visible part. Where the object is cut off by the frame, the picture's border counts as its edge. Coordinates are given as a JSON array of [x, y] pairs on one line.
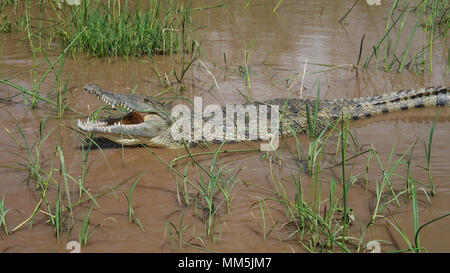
[[397, 101], [295, 113]]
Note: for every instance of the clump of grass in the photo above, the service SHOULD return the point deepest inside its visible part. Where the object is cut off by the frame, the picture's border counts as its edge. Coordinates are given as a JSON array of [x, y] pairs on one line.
[[345, 182], [33, 160], [432, 187], [85, 232], [245, 70], [111, 29], [263, 208], [313, 228], [59, 207], [3, 213], [211, 183], [176, 234], [5, 23], [208, 194], [386, 185], [324, 225], [130, 213], [432, 15]]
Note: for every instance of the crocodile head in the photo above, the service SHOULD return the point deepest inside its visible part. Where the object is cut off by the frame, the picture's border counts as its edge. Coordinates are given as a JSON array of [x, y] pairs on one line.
[[147, 121]]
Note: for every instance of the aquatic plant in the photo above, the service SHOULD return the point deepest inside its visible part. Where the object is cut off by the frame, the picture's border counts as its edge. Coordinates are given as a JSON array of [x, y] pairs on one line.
[[431, 15], [111, 29]]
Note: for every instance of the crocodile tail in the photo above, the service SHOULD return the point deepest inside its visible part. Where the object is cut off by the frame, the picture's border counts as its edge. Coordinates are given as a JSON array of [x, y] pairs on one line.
[[397, 101]]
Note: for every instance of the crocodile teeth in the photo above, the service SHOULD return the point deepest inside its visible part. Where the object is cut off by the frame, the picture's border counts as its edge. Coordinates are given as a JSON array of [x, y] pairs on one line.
[[90, 125], [113, 103]]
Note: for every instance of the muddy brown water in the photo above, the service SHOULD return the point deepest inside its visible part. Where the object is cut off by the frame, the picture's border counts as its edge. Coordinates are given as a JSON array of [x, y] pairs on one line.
[[280, 44]]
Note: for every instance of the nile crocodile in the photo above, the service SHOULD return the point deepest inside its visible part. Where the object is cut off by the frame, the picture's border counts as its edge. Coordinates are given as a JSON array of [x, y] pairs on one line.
[[149, 121]]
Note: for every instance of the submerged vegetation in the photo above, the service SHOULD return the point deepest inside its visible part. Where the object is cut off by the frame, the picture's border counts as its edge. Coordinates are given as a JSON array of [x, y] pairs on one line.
[[109, 29]]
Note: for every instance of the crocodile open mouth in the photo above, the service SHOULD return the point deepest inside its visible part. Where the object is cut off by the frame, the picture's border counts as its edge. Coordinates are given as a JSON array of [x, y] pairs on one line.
[[141, 122], [109, 125]]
